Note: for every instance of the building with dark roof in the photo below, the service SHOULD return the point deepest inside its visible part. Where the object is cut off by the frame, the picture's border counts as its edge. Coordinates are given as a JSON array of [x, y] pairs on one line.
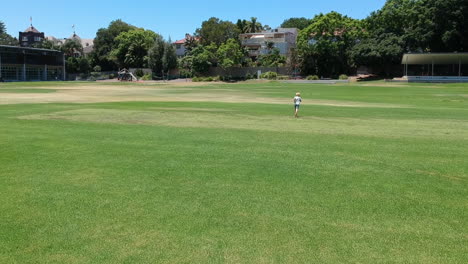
[[30, 64], [30, 36]]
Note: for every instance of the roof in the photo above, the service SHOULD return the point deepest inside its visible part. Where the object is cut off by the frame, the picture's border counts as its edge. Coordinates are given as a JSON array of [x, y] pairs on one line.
[[19, 49], [182, 41], [436, 58], [32, 29]]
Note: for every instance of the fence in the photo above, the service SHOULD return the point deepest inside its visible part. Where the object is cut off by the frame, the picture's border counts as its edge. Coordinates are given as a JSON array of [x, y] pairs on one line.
[[242, 72]]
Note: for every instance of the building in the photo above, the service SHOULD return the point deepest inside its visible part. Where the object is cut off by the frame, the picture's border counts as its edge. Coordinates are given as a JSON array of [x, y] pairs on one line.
[[30, 36], [87, 44], [284, 39], [31, 64], [435, 67], [180, 45]]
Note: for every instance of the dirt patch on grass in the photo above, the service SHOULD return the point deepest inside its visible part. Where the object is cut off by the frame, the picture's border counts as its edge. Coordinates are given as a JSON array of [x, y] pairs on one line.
[[234, 120], [174, 92]]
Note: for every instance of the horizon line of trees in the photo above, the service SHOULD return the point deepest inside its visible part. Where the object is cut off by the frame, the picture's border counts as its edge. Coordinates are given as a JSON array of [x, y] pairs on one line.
[[327, 45]]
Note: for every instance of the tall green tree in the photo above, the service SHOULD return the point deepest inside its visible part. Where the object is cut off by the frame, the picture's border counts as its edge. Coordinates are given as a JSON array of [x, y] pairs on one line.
[[296, 22], [5, 38], [132, 48], [380, 53], [217, 31], [104, 43], [71, 46], [155, 56], [169, 60], [440, 25], [323, 45], [242, 25], [2, 28], [230, 54], [253, 26]]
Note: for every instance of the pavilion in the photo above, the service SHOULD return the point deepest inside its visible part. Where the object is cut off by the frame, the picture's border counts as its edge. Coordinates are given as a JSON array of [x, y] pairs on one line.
[[436, 67]]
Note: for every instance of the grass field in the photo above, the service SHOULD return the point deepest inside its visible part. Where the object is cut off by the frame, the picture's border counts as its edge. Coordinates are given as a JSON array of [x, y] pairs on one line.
[[223, 173]]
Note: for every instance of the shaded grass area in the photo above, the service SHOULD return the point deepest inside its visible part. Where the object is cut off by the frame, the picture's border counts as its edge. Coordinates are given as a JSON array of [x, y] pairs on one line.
[[9, 90], [132, 182]]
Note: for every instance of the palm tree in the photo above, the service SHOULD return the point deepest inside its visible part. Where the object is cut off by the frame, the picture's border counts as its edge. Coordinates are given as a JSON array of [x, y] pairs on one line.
[[253, 26]]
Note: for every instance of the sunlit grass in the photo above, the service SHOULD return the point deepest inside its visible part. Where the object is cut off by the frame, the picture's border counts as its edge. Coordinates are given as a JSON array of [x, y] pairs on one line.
[[378, 176]]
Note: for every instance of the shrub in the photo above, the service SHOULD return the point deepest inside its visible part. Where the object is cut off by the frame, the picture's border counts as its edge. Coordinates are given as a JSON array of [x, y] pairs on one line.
[[269, 75], [95, 74], [185, 73], [147, 77], [312, 77], [139, 73], [248, 76], [283, 77], [216, 79], [208, 79], [343, 77], [97, 68], [196, 79], [111, 76]]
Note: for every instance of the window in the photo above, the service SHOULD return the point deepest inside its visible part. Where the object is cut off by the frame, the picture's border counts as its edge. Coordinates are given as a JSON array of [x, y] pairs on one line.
[[178, 46], [25, 38], [37, 39]]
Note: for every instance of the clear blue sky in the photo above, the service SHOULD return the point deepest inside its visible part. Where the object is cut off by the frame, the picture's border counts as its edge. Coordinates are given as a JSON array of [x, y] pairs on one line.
[[168, 18]]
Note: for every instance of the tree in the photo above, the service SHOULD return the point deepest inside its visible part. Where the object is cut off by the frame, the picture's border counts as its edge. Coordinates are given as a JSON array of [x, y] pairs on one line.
[[169, 60], [296, 22], [190, 42], [440, 25], [273, 58], [230, 54], [155, 56], [379, 52], [77, 65], [48, 44], [2, 28], [217, 31], [199, 60], [323, 45], [5, 38], [241, 25], [71, 46], [253, 26], [104, 43], [132, 48]]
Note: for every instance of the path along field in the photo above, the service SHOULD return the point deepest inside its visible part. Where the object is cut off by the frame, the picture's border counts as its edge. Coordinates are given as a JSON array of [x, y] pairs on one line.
[[222, 173]]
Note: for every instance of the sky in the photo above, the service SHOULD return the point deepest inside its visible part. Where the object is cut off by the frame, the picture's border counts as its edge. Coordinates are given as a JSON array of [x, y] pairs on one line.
[[169, 18]]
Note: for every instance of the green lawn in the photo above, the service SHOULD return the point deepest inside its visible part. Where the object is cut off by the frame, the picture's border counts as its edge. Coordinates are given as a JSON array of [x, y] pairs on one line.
[[370, 173]]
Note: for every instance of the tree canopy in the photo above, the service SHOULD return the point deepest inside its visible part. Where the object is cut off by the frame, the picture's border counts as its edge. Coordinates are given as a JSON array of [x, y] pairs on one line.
[[296, 22], [104, 43], [217, 31], [323, 45], [5, 38], [132, 48]]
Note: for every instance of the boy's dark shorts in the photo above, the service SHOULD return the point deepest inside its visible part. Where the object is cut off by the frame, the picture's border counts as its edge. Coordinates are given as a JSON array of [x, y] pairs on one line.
[[296, 106]]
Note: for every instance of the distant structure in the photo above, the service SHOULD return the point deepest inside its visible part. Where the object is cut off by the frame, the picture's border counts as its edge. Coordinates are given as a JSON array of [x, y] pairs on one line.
[[284, 39], [181, 45], [87, 44], [435, 67], [30, 36], [30, 64]]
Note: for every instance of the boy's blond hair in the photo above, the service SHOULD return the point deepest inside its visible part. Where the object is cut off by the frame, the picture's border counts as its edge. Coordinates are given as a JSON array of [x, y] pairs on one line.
[[298, 94]]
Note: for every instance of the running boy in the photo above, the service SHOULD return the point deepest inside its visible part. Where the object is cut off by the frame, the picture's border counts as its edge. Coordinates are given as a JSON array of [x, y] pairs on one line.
[[297, 102]]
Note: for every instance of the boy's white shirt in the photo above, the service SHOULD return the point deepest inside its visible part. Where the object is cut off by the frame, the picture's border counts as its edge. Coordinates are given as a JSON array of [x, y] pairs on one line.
[[297, 100]]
